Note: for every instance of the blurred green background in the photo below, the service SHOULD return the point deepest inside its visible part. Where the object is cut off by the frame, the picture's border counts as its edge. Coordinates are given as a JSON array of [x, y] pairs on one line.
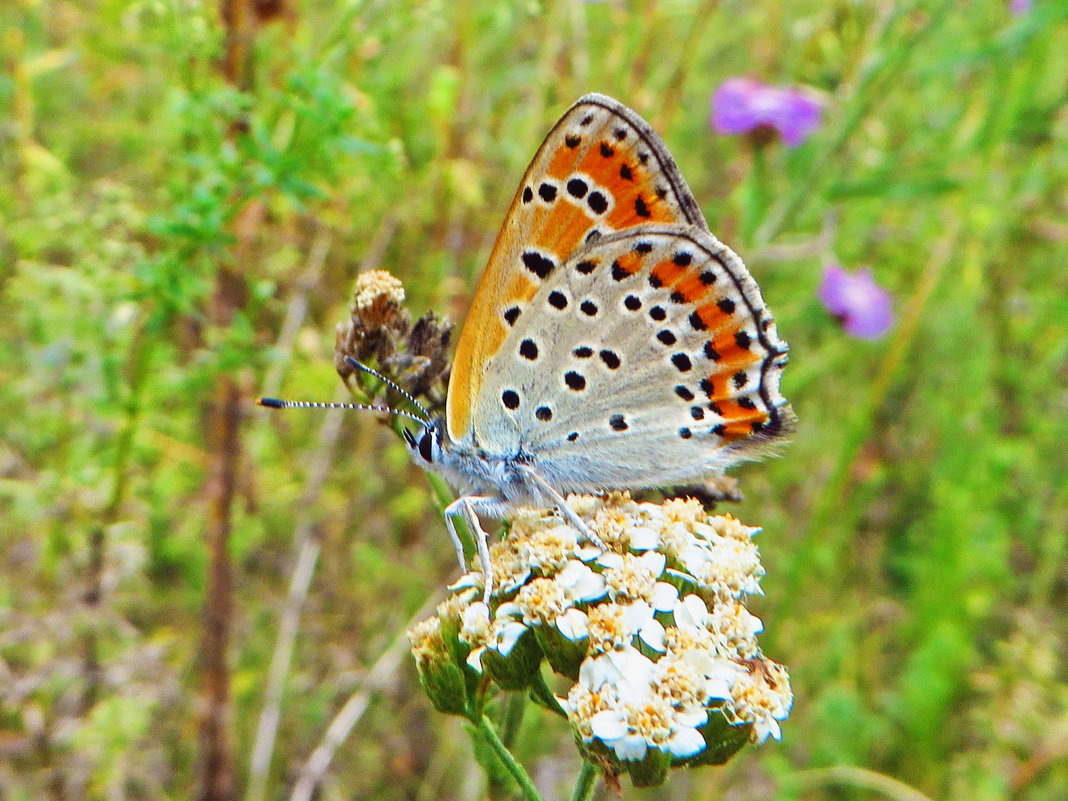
[[187, 190]]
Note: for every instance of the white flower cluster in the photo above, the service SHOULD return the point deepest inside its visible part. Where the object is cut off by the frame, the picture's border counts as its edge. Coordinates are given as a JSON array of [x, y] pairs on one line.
[[660, 638]]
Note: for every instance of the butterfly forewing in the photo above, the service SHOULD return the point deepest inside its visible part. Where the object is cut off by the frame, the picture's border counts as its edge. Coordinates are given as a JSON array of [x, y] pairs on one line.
[[647, 359], [601, 169]]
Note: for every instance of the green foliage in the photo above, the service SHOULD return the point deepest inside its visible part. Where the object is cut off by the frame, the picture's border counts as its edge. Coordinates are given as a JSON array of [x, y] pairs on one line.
[[914, 532]]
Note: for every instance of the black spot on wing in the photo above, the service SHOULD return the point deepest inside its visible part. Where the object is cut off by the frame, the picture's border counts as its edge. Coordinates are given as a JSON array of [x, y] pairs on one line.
[[682, 362], [610, 358], [576, 382], [578, 188], [538, 264]]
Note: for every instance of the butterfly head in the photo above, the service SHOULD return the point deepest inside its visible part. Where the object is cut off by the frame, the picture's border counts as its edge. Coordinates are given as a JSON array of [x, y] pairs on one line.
[[426, 444]]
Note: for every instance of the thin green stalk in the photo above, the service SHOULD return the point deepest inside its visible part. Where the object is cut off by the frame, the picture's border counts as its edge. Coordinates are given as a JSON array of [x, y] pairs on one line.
[[586, 782], [541, 692], [512, 718], [526, 785], [756, 191]]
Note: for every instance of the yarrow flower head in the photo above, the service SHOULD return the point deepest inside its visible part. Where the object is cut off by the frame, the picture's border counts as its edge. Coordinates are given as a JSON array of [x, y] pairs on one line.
[[864, 308], [653, 634], [747, 106]]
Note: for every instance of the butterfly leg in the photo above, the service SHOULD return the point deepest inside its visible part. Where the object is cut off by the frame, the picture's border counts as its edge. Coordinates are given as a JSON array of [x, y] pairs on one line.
[[465, 507], [454, 509], [565, 510]]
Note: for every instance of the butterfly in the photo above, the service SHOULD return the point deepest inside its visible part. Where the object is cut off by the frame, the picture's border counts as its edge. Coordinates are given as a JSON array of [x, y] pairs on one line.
[[613, 343]]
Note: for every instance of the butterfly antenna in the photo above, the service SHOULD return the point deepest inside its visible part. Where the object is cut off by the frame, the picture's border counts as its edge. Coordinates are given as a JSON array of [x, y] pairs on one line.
[[275, 403], [403, 392]]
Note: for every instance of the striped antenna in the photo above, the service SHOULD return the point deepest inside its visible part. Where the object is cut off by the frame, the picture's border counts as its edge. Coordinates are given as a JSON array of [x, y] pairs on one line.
[[275, 403], [403, 392]]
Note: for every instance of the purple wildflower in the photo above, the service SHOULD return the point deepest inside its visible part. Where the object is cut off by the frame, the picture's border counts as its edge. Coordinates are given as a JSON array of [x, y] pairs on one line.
[[863, 307], [745, 105], [1020, 6]]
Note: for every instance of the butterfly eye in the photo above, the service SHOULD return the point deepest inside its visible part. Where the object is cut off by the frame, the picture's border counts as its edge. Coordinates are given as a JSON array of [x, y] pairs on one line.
[[426, 446]]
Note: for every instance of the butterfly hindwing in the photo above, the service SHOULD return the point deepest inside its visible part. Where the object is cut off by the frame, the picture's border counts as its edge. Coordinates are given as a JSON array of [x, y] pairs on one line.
[[601, 169], [652, 341]]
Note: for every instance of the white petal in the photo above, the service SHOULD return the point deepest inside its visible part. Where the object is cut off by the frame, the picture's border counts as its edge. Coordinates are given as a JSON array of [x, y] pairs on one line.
[[693, 716], [632, 747], [574, 624], [704, 530], [509, 609], [724, 669], [589, 552], [580, 582], [681, 575], [766, 727], [686, 742], [634, 672], [703, 662], [636, 615], [608, 725], [664, 596], [691, 612], [718, 688], [591, 588], [610, 559], [474, 659], [652, 634], [630, 660], [694, 558], [508, 636], [517, 580], [643, 538], [475, 614], [595, 672], [465, 581], [654, 562]]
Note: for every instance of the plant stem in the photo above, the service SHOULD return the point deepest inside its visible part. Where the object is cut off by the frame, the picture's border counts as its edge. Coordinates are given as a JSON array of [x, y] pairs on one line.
[[526, 785], [512, 718], [586, 782], [756, 195], [540, 691]]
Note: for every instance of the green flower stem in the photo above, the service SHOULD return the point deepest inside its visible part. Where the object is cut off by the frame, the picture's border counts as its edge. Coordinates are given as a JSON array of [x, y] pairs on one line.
[[586, 782], [512, 718], [489, 733], [756, 195], [540, 690]]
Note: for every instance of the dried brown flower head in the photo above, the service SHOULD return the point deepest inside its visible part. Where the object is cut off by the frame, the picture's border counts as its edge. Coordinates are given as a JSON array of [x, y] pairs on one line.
[[380, 333]]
